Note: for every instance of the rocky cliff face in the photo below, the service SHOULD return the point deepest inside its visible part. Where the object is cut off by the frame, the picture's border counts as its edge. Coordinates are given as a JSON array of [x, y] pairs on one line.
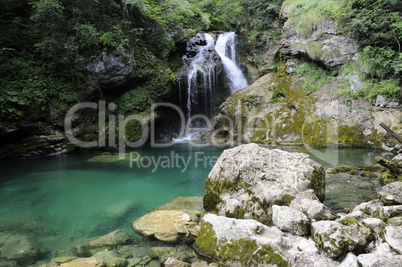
[[302, 99]]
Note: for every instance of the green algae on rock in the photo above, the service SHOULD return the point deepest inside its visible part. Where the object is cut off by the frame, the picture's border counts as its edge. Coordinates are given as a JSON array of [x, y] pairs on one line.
[[246, 241]]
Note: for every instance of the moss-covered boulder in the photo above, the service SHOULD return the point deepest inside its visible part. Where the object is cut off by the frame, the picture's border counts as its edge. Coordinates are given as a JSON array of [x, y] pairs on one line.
[[336, 239], [244, 241], [247, 180]]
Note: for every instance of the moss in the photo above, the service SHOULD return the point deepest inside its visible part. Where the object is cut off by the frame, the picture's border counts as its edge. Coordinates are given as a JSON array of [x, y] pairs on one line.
[[349, 221], [284, 200], [318, 182], [211, 201], [388, 177], [371, 168], [268, 69], [238, 213], [342, 169], [368, 174], [314, 49], [248, 252]]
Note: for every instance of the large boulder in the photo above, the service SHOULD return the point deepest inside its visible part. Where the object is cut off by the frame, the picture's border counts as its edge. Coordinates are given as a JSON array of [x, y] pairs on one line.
[[336, 239], [247, 242], [165, 225], [247, 180]]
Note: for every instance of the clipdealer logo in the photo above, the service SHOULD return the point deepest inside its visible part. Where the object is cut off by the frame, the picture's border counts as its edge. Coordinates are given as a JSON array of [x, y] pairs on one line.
[[112, 132]]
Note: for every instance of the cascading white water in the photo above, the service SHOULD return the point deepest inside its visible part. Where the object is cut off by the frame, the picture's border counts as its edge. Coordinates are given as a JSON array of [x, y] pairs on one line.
[[206, 65], [202, 65], [226, 49]]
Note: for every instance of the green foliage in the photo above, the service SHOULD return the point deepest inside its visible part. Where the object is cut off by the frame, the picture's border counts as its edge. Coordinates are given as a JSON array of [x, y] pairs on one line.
[[31, 92], [314, 49], [107, 39], [380, 61], [314, 77], [374, 22], [306, 15], [390, 88]]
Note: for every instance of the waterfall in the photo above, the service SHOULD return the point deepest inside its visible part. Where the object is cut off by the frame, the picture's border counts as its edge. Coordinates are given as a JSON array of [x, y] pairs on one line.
[[226, 49], [210, 75], [201, 75]]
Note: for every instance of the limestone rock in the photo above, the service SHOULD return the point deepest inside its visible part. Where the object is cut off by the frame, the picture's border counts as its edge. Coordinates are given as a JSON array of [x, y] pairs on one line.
[[398, 160], [84, 262], [112, 239], [391, 193], [290, 220], [349, 261], [376, 224], [375, 260], [172, 262], [111, 70], [108, 241], [165, 225], [244, 241], [182, 253], [336, 239], [304, 252], [393, 236], [247, 180], [111, 258], [396, 221], [370, 207], [387, 212], [308, 203]]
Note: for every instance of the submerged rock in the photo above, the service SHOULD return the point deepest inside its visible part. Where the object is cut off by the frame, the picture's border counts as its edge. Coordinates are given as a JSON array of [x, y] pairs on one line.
[[106, 242], [247, 180], [165, 225], [336, 239], [192, 205], [244, 241], [84, 262], [17, 250]]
